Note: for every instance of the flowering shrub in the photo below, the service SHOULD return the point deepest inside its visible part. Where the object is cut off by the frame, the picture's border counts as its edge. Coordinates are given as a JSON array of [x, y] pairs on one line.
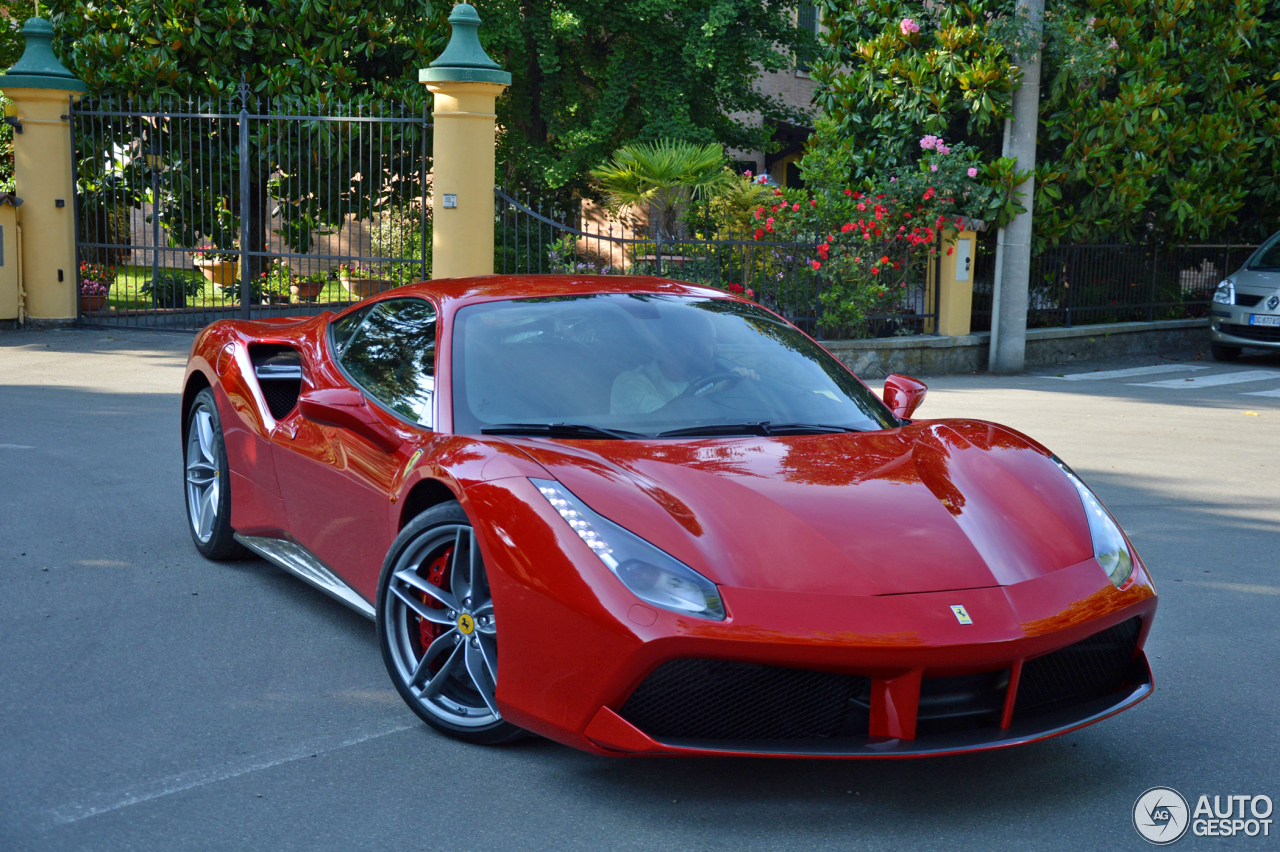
[[870, 241]]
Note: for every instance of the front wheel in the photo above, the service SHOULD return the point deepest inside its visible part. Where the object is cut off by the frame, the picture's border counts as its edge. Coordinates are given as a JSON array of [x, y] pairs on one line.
[[208, 482], [1224, 353], [436, 627]]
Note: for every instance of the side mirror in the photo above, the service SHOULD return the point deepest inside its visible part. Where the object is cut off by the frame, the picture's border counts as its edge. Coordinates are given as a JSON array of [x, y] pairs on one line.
[[347, 409], [903, 395]]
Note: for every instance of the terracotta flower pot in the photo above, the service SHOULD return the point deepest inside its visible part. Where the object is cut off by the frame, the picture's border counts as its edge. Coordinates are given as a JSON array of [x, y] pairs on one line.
[[92, 304], [363, 288], [219, 272], [307, 291]]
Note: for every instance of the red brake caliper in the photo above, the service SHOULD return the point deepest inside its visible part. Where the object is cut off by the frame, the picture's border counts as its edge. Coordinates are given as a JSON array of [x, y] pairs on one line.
[[427, 631]]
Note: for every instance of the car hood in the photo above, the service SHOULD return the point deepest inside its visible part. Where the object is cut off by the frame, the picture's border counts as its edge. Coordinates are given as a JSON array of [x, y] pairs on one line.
[[933, 506]]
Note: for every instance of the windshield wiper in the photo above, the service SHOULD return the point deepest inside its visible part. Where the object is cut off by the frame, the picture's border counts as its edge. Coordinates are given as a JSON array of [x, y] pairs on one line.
[[760, 427], [558, 430]]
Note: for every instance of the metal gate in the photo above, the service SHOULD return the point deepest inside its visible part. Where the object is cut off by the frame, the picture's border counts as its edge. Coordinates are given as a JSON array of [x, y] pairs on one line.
[[536, 239], [192, 212]]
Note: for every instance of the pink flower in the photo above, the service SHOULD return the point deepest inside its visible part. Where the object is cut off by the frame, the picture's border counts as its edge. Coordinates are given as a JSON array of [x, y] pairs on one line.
[[934, 167], [929, 142], [908, 26], [747, 173], [751, 294], [769, 221], [1112, 45], [943, 149], [1089, 23], [973, 172], [759, 212]]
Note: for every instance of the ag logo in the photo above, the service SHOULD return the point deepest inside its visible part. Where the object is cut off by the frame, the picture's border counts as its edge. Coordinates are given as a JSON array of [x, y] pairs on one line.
[[1273, 302], [962, 615], [1160, 816], [466, 624]]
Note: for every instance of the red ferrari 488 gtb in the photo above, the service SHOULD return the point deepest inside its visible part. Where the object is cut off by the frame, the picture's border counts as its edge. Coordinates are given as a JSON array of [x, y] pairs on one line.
[[644, 517]]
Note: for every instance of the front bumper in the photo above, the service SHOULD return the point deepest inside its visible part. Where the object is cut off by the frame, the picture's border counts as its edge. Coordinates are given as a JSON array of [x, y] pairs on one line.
[[614, 733], [1229, 326]]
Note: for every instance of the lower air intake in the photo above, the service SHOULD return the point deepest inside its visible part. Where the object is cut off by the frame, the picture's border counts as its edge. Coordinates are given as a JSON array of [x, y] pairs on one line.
[[718, 700], [1090, 668]]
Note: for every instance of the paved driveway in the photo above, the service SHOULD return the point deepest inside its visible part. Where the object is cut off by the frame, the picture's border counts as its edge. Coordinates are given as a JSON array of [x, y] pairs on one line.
[[152, 700]]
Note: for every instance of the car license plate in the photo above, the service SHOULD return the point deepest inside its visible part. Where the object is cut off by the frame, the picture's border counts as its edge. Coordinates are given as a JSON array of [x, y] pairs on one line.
[[1264, 319]]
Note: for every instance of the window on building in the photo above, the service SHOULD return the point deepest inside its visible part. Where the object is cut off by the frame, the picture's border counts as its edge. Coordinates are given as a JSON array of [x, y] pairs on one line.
[[806, 22]]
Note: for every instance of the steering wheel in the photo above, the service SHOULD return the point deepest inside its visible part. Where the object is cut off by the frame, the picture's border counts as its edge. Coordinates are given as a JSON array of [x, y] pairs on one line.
[[710, 381]]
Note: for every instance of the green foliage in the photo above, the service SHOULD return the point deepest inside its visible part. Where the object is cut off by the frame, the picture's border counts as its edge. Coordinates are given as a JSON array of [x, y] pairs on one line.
[[171, 289], [12, 15], [1156, 120], [590, 77], [339, 49], [665, 174], [1184, 142]]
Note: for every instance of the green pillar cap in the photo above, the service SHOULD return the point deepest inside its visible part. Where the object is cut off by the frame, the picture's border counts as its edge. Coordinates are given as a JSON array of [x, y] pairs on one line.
[[39, 68], [464, 60]]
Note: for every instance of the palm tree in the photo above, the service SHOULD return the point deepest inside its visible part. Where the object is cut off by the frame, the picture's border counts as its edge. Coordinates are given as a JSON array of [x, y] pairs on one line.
[[663, 173]]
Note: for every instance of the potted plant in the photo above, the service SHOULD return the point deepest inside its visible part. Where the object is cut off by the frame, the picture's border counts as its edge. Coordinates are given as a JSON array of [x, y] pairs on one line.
[[220, 268], [171, 289], [95, 284], [306, 288], [363, 281], [275, 283]]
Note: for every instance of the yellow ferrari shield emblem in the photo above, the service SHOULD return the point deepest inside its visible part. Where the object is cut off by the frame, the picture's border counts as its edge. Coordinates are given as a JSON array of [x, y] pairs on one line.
[[466, 624]]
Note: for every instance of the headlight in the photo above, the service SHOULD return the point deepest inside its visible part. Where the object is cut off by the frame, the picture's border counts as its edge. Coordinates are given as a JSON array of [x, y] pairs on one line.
[[652, 575], [1226, 292], [1109, 547]]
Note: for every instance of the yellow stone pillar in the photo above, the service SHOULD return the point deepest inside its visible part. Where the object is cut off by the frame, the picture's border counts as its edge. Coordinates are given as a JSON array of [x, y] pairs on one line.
[[955, 288], [41, 91], [10, 269], [465, 83]]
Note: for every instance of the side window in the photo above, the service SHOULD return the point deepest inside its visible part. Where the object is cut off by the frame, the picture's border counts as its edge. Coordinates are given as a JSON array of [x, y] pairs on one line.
[[389, 349]]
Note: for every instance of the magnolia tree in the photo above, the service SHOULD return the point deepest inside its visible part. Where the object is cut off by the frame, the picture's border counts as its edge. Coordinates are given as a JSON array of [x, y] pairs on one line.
[[1156, 119]]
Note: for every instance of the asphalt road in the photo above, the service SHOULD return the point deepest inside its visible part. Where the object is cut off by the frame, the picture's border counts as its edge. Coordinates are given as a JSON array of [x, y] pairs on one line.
[[152, 700]]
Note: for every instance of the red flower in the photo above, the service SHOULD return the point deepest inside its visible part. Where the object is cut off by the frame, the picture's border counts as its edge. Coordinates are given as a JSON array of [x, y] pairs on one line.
[[848, 192], [759, 233], [815, 265], [884, 260], [875, 270], [897, 265], [751, 294], [813, 202], [846, 227], [949, 250], [759, 212], [795, 207]]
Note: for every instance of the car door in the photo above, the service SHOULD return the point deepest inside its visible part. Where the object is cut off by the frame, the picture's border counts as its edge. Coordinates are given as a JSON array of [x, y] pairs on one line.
[[336, 484]]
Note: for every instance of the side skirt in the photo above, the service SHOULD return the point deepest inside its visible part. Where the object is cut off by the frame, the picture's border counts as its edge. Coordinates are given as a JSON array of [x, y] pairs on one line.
[[300, 562]]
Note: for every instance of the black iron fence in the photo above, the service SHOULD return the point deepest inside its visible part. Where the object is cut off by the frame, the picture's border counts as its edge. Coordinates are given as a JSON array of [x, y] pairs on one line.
[[1085, 284], [190, 212], [547, 239]]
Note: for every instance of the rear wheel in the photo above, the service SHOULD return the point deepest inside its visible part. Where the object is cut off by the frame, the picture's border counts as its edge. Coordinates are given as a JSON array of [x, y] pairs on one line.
[[208, 482], [1224, 353], [436, 627]]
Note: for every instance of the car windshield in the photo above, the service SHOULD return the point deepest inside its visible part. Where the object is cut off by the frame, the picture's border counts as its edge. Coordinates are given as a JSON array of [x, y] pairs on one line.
[[629, 365], [1269, 257]]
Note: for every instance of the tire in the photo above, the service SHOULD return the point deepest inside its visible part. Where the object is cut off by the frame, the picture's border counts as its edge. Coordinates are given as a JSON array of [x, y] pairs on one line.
[[1221, 352], [436, 629], [207, 483]]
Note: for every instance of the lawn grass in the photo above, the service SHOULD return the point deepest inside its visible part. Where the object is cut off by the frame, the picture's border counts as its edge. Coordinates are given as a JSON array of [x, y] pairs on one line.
[[126, 293]]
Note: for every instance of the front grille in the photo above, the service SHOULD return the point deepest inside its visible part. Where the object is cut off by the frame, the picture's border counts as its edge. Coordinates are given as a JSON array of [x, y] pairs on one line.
[[1090, 668], [1265, 333], [1247, 300], [961, 702], [281, 395], [719, 700]]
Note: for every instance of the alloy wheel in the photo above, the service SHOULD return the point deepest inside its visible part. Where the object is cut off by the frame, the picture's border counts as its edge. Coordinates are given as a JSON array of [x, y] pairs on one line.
[[203, 489], [440, 627]]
